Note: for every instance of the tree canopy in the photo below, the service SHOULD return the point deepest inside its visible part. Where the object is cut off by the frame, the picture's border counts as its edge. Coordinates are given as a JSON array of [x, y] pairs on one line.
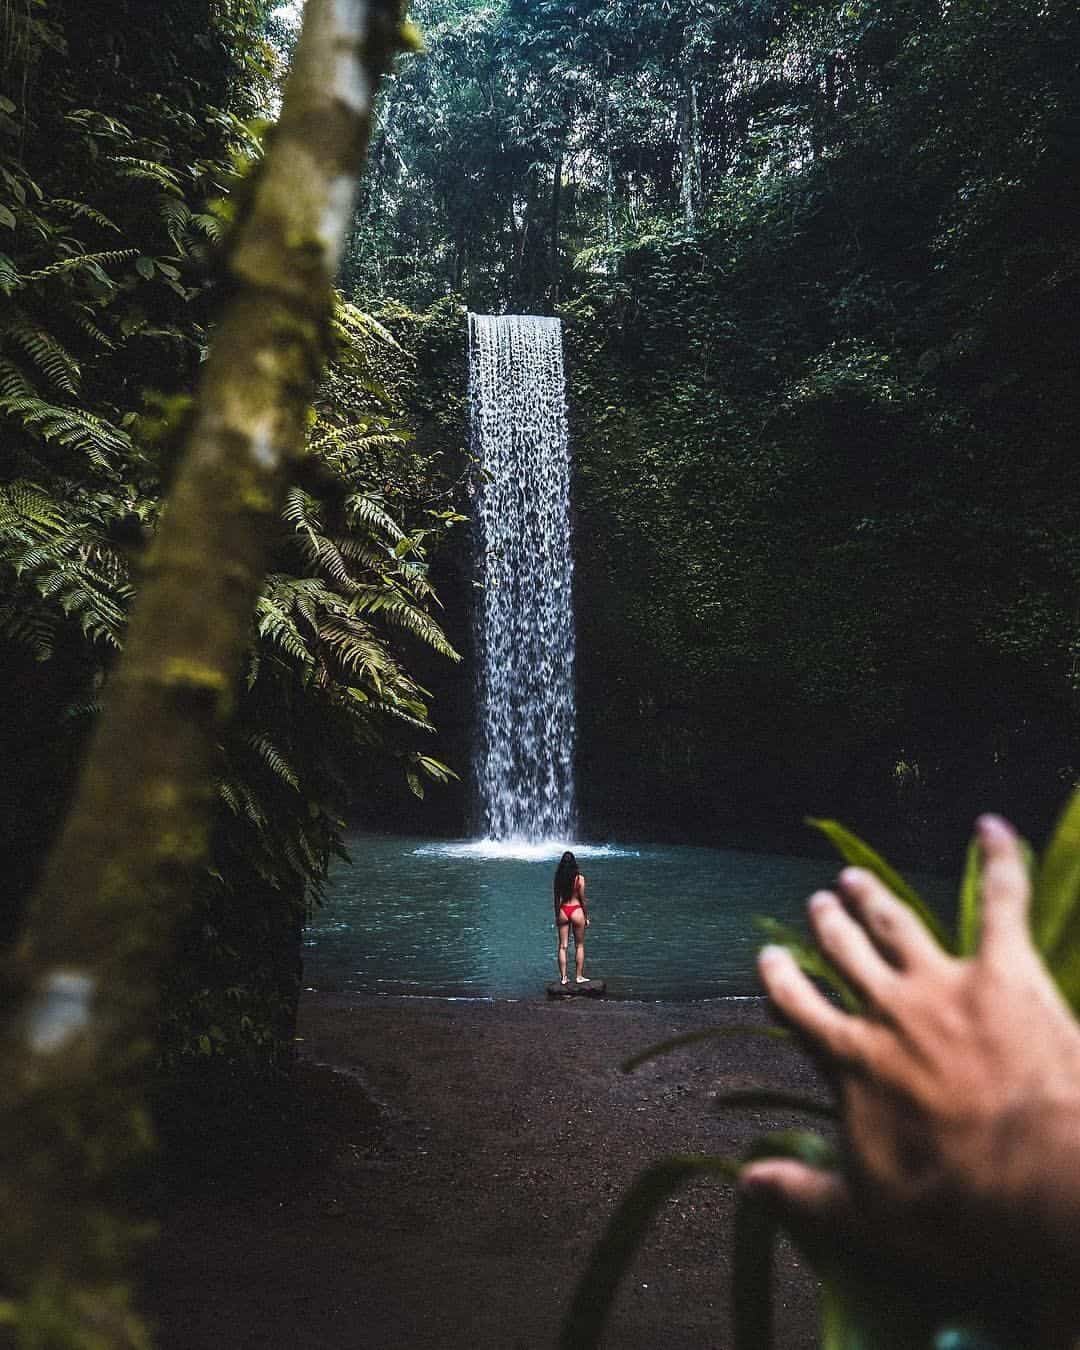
[[818, 269]]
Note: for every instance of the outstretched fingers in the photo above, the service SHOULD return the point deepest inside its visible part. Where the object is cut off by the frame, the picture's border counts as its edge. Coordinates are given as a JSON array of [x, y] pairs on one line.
[[841, 1037], [847, 945], [895, 928], [1006, 890]]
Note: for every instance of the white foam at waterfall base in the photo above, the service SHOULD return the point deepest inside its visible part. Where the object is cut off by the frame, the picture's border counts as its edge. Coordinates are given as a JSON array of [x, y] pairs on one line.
[[522, 850], [525, 625]]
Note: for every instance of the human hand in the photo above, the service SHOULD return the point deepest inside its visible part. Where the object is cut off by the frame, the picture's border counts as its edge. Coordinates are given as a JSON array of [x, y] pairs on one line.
[[960, 1090]]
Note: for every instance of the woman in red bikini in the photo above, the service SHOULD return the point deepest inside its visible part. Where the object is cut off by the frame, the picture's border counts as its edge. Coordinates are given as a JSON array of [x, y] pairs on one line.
[[570, 910]]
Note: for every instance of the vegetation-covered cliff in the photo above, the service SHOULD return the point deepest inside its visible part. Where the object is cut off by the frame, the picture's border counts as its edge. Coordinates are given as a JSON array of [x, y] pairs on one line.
[[818, 266]]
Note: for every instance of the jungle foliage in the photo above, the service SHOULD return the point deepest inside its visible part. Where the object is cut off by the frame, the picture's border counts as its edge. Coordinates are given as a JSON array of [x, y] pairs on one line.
[[127, 138], [818, 266]]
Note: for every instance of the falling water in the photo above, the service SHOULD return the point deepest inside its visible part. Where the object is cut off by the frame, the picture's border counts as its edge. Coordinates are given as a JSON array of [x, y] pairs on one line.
[[525, 617]]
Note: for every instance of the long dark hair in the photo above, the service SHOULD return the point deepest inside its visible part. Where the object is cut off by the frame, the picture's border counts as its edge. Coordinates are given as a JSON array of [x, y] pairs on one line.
[[565, 875]]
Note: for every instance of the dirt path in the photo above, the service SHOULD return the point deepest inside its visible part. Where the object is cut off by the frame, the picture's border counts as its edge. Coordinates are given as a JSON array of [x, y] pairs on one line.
[[462, 1159]]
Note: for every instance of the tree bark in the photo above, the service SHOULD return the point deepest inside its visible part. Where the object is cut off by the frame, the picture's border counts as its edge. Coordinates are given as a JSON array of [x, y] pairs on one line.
[[689, 152], [81, 991]]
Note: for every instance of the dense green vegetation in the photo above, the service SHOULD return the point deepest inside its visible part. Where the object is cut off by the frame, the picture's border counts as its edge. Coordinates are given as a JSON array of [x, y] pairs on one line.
[[818, 265], [118, 172]]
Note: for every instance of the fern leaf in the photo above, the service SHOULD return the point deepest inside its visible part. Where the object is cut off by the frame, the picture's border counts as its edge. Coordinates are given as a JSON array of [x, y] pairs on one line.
[[209, 225], [83, 211], [301, 510], [399, 610], [87, 262], [273, 623], [29, 511], [177, 217], [70, 427], [14, 382], [147, 170], [83, 318], [265, 748], [357, 649], [361, 509], [53, 360], [33, 628], [859, 854], [10, 280]]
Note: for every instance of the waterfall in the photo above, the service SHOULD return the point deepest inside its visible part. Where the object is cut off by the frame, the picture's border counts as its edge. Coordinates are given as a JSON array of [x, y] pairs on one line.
[[525, 619]]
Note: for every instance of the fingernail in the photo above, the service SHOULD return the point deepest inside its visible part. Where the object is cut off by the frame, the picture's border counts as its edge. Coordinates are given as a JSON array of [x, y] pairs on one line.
[[770, 954], [819, 900], [994, 827], [754, 1179], [854, 876]]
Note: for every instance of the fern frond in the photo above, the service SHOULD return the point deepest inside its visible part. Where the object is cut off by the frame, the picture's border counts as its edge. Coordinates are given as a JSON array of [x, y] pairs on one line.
[[209, 225], [409, 712], [301, 510], [14, 382], [357, 649], [360, 550], [147, 170], [90, 262], [268, 752], [33, 628], [399, 610], [10, 280], [415, 574], [99, 123], [356, 439], [53, 360], [84, 597], [228, 795], [251, 806], [177, 217], [73, 428], [358, 326], [83, 319], [29, 512], [86, 708], [274, 624], [363, 509], [325, 555], [82, 211]]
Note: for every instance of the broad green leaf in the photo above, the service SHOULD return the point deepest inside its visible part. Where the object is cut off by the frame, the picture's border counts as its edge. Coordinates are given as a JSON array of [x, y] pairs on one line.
[[584, 1323], [1054, 917], [859, 854], [967, 918], [145, 267], [809, 959], [800, 1145], [695, 1038], [7, 217]]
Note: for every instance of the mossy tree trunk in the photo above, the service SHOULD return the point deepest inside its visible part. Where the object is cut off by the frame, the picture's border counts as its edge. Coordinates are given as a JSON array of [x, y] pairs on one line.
[[82, 987]]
